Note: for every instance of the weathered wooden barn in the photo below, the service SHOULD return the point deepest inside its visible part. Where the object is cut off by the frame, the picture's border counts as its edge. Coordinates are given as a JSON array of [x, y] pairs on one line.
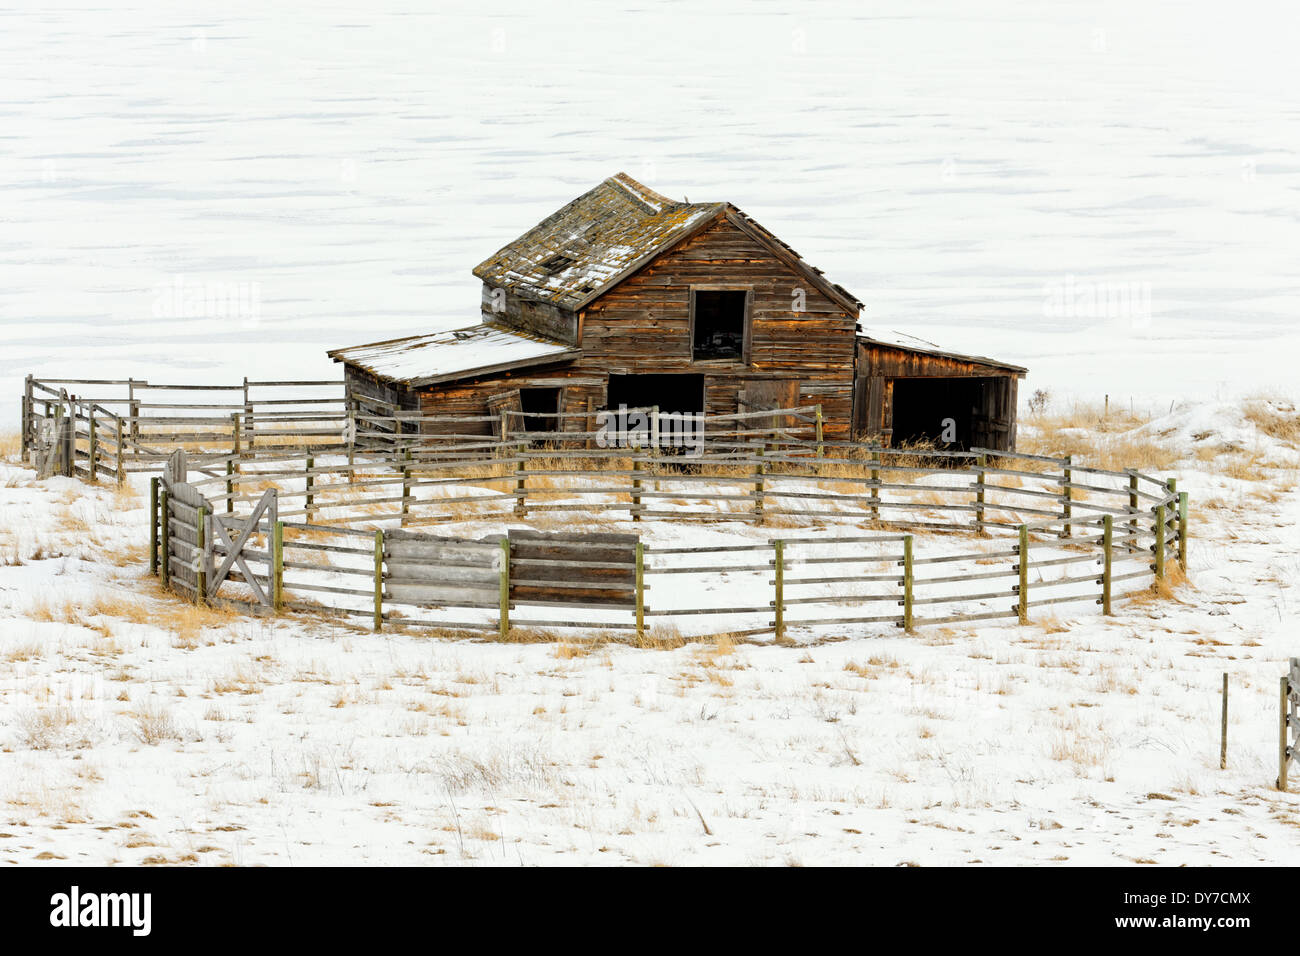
[[626, 297]]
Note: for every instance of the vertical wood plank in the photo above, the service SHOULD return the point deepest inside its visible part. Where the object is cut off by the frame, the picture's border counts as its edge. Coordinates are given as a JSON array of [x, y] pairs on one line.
[[908, 583], [1107, 559], [153, 525], [379, 580], [503, 615], [1223, 734], [1182, 531], [640, 588], [1160, 544], [164, 512], [1022, 555], [778, 547]]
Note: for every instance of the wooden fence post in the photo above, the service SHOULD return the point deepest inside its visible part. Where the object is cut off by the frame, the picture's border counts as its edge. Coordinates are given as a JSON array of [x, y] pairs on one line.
[[406, 484], [164, 515], [779, 547], [1223, 733], [153, 525], [982, 462], [277, 566], [28, 415], [379, 580], [1067, 504], [640, 588], [503, 615], [1182, 530], [201, 586], [1133, 509], [91, 449], [250, 423], [521, 479], [1107, 537], [1022, 556], [820, 452], [230, 486], [120, 463], [350, 436], [635, 507], [237, 444], [1283, 748], [908, 583], [310, 490], [875, 483], [1171, 514], [758, 483], [1160, 545]]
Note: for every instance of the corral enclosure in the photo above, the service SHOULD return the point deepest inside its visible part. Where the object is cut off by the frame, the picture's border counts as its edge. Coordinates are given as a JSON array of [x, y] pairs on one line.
[[761, 529]]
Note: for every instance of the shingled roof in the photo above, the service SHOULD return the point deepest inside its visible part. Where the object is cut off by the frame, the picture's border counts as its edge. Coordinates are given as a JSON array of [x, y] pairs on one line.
[[606, 234]]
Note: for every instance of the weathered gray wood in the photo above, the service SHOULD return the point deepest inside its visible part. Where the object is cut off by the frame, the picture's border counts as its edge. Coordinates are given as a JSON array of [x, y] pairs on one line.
[[449, 594]]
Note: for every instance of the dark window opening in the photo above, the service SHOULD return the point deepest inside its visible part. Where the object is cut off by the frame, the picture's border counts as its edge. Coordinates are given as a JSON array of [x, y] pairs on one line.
[[949, 414], [719, 328], [541, 407]]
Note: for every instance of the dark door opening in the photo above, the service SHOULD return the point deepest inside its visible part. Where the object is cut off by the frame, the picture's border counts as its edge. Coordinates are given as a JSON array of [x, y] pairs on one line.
[[944, 413], [680, 400], [541, 408], [672, 393]]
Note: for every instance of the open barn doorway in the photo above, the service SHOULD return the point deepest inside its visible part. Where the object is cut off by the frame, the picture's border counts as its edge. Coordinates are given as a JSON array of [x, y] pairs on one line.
[[680, 400], [541, 409], [671, 393], [952, 414]]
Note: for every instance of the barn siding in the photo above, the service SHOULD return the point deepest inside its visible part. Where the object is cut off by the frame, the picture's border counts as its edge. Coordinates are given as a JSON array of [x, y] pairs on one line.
[[643, 325]]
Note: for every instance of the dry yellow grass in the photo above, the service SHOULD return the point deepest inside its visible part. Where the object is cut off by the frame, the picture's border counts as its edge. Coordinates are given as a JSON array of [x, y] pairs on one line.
[[1276, 417], [10, 446]]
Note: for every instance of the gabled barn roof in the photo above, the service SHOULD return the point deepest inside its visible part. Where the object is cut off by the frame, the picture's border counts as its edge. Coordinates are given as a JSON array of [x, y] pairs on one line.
[[608, 233], [456, 353]]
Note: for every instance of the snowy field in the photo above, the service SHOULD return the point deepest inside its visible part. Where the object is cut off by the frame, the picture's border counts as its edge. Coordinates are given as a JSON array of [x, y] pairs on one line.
[[981, 175], [136, 729]]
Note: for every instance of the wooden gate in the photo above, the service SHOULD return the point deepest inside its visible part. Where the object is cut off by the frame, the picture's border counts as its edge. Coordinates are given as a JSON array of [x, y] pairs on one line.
[[231, 534], [195, 537]]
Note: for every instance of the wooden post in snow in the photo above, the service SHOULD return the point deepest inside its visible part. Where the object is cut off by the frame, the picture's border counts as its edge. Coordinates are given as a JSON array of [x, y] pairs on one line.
[[1223, 733], [379, 580], [1182, 531], [640, 588], [153, 525], [1107, 538], [1022, 556], [277, 566], [503, 615], [779, 548], [908, 583], [1067, 496]]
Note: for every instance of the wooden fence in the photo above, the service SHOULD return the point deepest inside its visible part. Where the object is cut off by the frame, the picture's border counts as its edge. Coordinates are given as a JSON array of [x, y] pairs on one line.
[[1039, 532], [130, 425]]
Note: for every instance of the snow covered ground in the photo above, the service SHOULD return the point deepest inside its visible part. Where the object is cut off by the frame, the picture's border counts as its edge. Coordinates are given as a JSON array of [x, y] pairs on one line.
[[136, 729]]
